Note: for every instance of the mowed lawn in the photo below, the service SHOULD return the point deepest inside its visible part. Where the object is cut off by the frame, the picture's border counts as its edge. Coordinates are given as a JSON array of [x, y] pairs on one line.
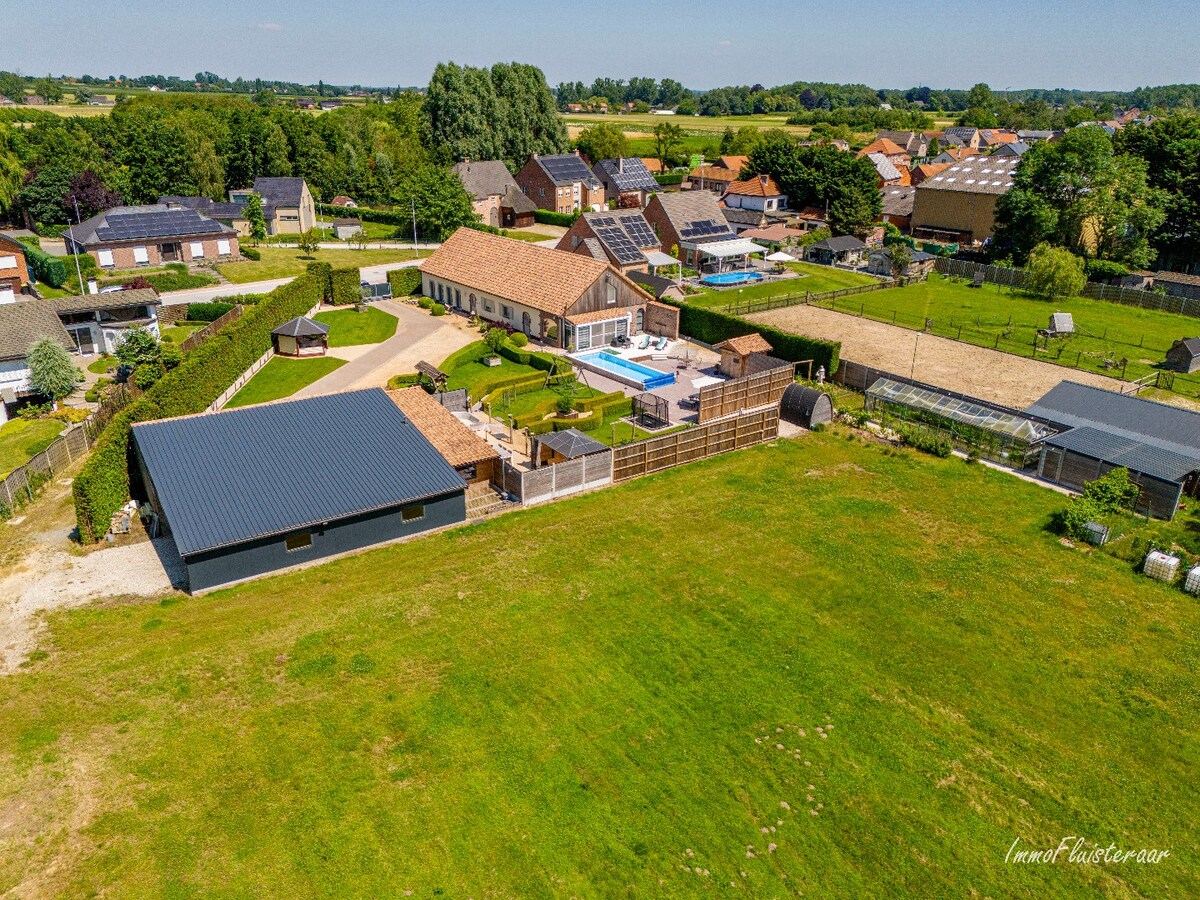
[[21, 439], [281, 378], [286, 262], [813, 279], [812, 668], [1105, 331], [350, 327]]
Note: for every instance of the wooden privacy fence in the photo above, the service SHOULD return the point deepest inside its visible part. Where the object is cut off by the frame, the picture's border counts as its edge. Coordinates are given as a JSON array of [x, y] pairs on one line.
[[558, 480], [196, 338], [720, 400], [658, 453]]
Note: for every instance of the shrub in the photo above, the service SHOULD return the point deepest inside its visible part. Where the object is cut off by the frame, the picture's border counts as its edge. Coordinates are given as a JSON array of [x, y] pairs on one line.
[[207, 312], [565, 404], [323, 273], [518, 339], [102, 485], [171, 355], [495, 339], [926, 441], [251, 253], [406, 379], [712, 327], [405, 282], [1105, 270], [1055, 272], [437, 310], [669, 178], [51, 270], [546, 217], [425, 303], [344, 286], [147, 375]]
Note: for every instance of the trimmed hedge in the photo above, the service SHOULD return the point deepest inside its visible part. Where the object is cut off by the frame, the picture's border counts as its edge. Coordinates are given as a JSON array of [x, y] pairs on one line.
[[343, 286], [405, 282], [406, 379], [250, 253], [538, 359], [57, 270], [711, 327], [102, 485], [669, 178], [469, 354], [207, 312], [323, 272], [547, 217], [518, 384], [363, 214]]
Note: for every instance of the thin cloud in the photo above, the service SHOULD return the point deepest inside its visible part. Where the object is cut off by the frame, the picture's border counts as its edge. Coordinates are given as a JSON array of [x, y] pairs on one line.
[[726, 44], [270, 26]]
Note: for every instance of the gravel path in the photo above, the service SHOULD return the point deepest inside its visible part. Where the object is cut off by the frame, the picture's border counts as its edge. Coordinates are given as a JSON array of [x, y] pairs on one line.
[[988, 374]]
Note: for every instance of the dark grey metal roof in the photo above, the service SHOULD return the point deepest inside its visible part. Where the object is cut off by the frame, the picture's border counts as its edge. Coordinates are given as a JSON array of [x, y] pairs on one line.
[[24, 323], [1135, 455], [230, 477], [840, 244], [628, 174], [484, 178], [279, 191], [571, 443], [302, 326], [1074, 405]]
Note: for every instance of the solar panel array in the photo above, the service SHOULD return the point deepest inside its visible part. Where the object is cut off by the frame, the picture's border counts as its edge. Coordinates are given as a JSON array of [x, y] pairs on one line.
[[565, 169], [707, 228], [161, 223], [613, 236], [631, 175]]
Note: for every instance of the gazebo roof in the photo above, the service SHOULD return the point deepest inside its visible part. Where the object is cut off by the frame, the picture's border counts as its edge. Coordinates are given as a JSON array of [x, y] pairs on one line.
[[302, 326], [571, 443]]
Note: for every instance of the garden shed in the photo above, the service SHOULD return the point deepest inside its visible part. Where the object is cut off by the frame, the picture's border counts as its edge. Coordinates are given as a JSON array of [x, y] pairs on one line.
[[806, 406], [561, 446], [301, 336], [736, 353], [1184, 355]]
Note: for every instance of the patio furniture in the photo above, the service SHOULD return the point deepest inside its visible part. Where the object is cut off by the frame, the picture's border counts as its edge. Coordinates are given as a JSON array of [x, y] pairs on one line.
[[661, 343], [645, 342]]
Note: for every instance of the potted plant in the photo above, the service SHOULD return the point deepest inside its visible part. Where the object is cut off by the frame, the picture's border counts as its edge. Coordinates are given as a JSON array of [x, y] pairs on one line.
[[495, 339]]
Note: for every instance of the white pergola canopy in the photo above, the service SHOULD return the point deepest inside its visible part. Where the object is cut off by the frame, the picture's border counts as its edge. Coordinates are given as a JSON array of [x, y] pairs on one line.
[[726, 249], [780, 257], [657, 258]]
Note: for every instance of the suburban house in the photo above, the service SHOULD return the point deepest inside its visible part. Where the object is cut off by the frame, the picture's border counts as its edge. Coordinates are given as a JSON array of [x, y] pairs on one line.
[[621, 237], [1184, 355], [344, 201], [97, 323], [561, 183], [22, 324], [564, 299], [760, 193], [898, 206], [961, 136], [345, 229], [896, 154], [14, 271], [710, 178], [1035, 136], [773, 235], [914, 143], [473, 458], [692, 226], [880, 263], [843, 250], [627, 181], [809, 219], [1012, 148], [126, 237], [887, 170], [495, 195], [990, 138], [951, 155], [1102, 430], [327, 105], [291, 506], [959, 204], [288, 204]]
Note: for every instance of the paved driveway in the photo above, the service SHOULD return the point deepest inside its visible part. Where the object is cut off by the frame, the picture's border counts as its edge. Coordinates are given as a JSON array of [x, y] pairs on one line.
[[419, 336]]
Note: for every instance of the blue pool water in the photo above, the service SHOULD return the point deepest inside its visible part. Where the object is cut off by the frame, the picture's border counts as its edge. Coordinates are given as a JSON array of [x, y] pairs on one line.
[[727, 278], [624, 370]]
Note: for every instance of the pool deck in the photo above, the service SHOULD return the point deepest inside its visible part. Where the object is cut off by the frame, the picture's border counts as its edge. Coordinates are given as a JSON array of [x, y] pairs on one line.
[[690, 363]]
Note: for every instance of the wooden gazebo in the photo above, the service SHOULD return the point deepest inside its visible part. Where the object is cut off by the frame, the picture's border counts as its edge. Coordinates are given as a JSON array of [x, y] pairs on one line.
[[301, 336]]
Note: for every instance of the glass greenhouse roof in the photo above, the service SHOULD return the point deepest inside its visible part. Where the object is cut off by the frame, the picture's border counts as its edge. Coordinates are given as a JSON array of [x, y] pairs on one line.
[[959, 410]]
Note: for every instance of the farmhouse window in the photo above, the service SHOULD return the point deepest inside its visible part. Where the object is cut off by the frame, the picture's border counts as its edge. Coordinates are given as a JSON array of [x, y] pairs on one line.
[[106, 258], [197, 249], [223, 248], [140, 256]]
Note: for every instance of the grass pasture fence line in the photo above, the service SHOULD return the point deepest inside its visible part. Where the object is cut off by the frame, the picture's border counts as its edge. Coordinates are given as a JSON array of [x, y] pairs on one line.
[[747, 307]]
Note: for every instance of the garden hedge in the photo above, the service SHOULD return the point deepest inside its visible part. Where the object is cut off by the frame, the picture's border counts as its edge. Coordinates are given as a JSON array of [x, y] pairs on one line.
[[711, 327], [469, 354], [363, 214], [102, 485], [251, 253], [669, 178], [546, 217], [56, 270], [323, 272], [547, 362], [207, 312], [405, 282], [518, 384], [343, 286]]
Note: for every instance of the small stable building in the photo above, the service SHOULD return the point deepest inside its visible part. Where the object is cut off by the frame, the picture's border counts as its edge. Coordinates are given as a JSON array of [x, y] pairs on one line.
[[736, 353], [301, 336], [345, 229], [843, 250], [805, 406], [248, 492], [472, 457], [1184, 355]]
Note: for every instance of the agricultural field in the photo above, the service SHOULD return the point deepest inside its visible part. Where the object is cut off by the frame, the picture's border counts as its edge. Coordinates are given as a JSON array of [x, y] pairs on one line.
[[282, 377], [287, 262], [644, 122], [813, 279], [992, 316], [811, 668], [351, 327]]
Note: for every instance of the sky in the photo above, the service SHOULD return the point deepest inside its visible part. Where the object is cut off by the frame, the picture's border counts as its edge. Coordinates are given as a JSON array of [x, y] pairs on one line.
[[1089, 44]]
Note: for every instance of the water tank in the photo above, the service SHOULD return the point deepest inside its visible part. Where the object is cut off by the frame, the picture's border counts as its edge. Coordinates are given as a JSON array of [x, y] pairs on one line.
[[805, 406], [1160, 566], [1192, 583]]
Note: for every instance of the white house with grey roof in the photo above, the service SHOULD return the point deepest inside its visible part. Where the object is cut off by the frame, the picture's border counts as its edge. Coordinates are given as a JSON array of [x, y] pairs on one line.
[[495, 195]]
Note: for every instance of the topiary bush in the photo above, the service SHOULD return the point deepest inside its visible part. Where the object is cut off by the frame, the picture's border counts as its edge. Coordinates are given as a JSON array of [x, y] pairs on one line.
[[425, 303], [437, 310], [518, 339]]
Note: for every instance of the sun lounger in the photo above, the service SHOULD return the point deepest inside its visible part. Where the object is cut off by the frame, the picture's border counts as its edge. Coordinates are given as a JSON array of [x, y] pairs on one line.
[[645, 342], [661, 344]]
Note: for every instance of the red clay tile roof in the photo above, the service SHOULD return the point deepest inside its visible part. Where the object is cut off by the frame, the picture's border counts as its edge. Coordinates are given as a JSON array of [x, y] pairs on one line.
[[759, 186], [745, 344], [886, 146], [457, 443]]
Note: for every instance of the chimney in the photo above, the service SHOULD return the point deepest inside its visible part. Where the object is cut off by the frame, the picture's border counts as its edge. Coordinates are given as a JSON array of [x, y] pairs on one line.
[[763, 179], [466, 160], [620, 165], [93, 288]]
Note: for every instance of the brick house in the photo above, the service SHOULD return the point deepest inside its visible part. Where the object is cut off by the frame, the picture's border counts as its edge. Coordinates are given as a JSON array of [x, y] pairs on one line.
[[564, 299], [562, 184], [14, 272], [495, 195], [621, 237], [959, 203], [127, 237], [626, 181], [685, 220]]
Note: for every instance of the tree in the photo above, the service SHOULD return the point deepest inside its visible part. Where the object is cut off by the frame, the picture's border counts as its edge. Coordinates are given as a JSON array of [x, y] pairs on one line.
[[899, 259], [51, 371], [49, 90], [495, 339], [603, 141], [255, 219], [90, 193], [138, 347], [309, 242], [1055, 273], [441, 202], [668, 141]]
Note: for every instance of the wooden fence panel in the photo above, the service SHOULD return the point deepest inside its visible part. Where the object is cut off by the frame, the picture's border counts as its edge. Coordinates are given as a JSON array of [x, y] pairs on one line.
[[199, 337], [666, 451], [760, 389]]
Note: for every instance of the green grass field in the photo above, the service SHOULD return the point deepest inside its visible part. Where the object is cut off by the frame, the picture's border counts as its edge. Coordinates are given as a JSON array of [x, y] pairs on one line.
[[281, 378], [349, 327], [1105, 331], [21, 439], [815, 279], [866, 670], [475, 376], [177, 334], [286, 262]]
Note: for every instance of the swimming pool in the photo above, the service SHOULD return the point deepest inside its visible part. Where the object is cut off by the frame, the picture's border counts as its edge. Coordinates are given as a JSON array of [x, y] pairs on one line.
[[725, 279], [625, 371]]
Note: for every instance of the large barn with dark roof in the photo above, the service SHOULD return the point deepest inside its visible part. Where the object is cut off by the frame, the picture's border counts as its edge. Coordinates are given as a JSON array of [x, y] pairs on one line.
[[250, 491]]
